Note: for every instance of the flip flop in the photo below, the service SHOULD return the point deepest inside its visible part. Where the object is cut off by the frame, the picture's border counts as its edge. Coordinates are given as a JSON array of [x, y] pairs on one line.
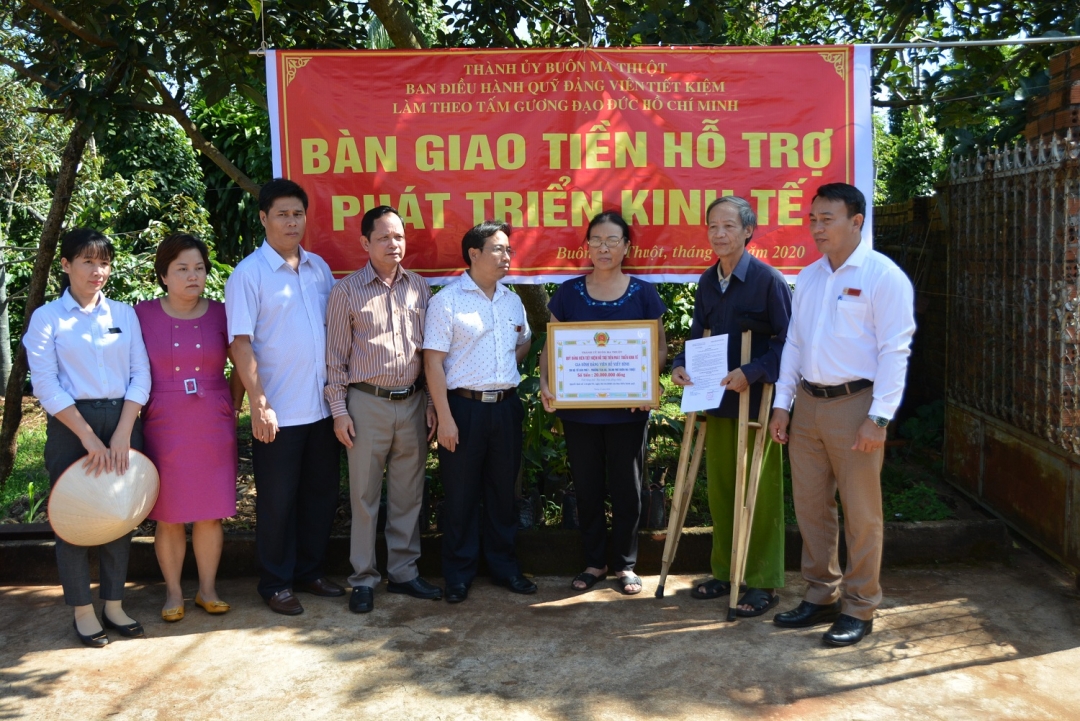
[[759, 599], [629, 580], [588, 579], [714, 588]]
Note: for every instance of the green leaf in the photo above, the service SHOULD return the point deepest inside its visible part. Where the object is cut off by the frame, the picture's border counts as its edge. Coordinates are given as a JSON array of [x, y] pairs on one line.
[[256, 7]]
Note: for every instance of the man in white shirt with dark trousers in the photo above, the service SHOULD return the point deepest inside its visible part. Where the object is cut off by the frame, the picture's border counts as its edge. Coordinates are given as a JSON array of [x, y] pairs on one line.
[[844, 365], [276, 303]]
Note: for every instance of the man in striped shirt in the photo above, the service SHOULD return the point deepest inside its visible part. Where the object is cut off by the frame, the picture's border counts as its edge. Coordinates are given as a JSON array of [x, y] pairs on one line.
[[374, 341]]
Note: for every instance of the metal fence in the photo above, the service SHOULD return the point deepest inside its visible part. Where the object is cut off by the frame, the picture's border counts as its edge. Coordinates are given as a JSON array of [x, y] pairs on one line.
[[1014, 312]]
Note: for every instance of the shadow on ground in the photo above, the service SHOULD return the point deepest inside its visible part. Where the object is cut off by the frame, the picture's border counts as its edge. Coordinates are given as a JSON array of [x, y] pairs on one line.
[[953, 642]]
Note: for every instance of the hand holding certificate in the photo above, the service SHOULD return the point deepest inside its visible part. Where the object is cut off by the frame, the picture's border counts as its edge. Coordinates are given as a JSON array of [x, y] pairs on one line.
[[706, 364]]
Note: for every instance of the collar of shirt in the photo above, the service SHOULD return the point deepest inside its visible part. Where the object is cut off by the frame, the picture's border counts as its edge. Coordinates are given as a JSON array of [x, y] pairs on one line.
[[274, 258], [70, 304], [739, 271], [468, 284], [855, 260], [368, 275]]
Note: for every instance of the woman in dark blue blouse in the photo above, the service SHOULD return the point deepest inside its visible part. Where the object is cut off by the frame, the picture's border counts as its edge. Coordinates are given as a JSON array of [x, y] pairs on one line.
[[606, 447]]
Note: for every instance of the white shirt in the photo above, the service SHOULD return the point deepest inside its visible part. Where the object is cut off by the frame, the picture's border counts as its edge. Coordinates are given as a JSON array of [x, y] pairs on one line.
[[853, 323], [479, 336], [77, 354], [284, 312]]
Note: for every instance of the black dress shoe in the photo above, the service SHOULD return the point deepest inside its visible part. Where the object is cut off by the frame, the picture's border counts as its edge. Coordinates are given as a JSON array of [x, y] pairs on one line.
[[362, 599], [517, 584], [131, 630], [320, 587], [97, 640], [847, 631], [456, 592], [808, 614], [417, 588]]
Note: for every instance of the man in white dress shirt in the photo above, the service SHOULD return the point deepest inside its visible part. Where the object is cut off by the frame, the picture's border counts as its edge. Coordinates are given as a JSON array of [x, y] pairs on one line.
[[275, 300], [475, 334], [844, 365]]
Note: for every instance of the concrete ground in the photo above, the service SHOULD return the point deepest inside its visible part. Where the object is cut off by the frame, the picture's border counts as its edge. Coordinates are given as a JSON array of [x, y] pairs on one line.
[[993, 641]]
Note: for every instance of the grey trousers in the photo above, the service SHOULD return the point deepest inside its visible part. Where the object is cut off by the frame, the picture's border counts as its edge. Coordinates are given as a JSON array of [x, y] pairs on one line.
[[62, 448], [390, 435]]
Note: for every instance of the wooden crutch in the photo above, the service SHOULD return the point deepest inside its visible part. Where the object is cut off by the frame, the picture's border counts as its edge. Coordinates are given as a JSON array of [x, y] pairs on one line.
[[693, 444], [746, 486]]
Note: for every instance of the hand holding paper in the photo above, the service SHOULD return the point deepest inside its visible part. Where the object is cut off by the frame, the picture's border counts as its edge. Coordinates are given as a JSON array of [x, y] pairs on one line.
[[706, 364]]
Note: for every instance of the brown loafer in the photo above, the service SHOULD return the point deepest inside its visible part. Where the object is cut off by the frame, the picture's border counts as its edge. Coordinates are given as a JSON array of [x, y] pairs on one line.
[[285, 603], [320, 587]]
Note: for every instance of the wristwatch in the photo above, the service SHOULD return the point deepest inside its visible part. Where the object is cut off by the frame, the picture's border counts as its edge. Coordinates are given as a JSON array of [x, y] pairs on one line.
[[879, 421]]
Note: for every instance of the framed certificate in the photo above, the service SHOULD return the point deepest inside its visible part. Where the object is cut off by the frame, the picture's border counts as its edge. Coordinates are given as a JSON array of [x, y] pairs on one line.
[[610, 364]]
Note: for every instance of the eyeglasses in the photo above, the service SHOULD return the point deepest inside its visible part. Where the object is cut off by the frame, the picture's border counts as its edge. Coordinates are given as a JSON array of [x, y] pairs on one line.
[[610, 242], [503, 250]]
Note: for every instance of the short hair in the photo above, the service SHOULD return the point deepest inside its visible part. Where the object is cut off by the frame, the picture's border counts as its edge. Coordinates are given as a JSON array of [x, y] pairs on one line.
[[367, 225], [747, 216], [852, 197], [609, 216], [280, 188], [84, 241], [171, 248], [476, 236]]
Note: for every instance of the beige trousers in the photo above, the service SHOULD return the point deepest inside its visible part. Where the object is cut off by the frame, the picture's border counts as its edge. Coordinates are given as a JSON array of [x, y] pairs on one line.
[[390, 436], [821, 436]]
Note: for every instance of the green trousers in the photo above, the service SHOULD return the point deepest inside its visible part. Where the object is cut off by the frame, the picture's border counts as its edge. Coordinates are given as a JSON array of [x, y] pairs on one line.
[[765, 558]]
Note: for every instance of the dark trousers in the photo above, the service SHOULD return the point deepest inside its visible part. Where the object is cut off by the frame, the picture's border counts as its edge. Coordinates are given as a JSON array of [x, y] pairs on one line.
[[484, 465], [296, 484], [608, 458], [62, 448]]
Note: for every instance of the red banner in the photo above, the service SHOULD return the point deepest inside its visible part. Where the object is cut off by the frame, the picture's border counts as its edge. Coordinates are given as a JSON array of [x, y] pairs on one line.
[[545, 139]]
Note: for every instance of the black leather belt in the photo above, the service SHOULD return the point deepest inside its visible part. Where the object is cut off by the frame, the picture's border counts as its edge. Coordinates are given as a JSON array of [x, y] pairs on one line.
[[393, 394], [843, 389], [486, 396]]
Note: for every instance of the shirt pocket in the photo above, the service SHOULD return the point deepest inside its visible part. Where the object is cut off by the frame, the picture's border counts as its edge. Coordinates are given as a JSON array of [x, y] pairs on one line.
[[414, 326], [850, 321]]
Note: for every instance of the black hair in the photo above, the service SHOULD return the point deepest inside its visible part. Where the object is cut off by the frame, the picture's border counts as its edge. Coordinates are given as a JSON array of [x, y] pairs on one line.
[[609, 216], [171, 248], [476, 236], [280, 188], [747, 216], [367, 225], [83, 241], [851, 196]]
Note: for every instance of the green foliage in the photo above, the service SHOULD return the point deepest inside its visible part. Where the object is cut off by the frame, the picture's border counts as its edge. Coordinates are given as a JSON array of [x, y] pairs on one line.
[[679, 299], [926, 429], [152, 144], [909, 158], [241, 130], [29, 469]]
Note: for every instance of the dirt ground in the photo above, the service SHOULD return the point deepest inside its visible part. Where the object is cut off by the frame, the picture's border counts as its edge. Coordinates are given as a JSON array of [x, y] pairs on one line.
[[994, 641]]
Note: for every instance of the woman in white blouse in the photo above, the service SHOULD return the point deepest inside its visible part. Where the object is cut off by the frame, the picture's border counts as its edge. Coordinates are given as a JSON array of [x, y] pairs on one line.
[[91, 373]]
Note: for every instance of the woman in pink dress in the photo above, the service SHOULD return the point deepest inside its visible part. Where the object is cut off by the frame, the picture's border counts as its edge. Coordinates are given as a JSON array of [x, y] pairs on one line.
[[189, 423]]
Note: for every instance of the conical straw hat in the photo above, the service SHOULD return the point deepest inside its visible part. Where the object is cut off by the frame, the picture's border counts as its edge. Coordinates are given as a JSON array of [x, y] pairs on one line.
[[89, 510]]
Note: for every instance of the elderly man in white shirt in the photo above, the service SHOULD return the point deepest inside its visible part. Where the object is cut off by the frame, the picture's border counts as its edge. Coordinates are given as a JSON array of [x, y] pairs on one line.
[[475, 334], [844, 365], [275, 300]]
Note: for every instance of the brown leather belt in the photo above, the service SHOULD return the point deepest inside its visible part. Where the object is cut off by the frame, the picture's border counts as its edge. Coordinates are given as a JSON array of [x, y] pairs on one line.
[[486, 396], [843, 389], [393, 394]]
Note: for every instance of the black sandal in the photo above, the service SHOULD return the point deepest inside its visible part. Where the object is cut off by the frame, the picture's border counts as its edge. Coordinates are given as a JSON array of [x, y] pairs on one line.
[[588, 579], [630, 579], [714, 588], [759, 600]]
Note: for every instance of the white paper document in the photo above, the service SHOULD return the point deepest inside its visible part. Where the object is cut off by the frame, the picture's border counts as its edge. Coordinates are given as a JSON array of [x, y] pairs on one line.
[[706, 364]]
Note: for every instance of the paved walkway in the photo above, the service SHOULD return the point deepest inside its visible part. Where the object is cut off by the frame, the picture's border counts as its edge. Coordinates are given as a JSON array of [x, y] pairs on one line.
[[952, 642]]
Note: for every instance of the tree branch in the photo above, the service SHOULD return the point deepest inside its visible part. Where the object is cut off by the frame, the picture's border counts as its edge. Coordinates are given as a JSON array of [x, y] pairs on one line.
[[151, 108], [70, 25], [28, 73], [171, 107], [399, 26]]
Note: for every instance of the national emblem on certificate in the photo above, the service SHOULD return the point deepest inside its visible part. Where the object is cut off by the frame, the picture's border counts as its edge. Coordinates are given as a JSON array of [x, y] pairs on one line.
[[613, 364]]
